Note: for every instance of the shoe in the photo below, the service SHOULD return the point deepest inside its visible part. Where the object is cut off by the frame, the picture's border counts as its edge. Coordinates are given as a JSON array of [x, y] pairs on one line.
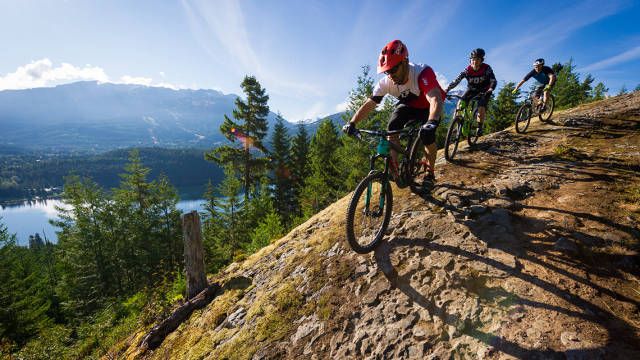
[[428, 182]]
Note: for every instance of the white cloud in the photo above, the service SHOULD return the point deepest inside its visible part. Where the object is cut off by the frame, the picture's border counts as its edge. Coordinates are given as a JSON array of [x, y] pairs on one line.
[[442, 80], [614, 60], [161, 73], [135, 80], [342, 106], [42, 73]]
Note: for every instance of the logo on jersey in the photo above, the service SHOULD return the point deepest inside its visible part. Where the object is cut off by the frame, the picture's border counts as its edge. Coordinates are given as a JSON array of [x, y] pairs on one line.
[[425, 81]]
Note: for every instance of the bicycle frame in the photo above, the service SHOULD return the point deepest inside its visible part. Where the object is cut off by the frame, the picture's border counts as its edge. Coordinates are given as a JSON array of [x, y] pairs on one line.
[[466, 110]]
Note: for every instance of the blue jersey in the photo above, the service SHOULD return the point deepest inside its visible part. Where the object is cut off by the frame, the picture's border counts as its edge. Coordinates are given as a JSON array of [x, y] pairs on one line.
[[541, 77]]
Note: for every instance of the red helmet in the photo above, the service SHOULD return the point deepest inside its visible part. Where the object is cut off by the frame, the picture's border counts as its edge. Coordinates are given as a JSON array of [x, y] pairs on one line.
[[392, 54]]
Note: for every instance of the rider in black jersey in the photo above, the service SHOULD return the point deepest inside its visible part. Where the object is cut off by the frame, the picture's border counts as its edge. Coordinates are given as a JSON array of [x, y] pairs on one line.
[[545, 77], [480, 82]]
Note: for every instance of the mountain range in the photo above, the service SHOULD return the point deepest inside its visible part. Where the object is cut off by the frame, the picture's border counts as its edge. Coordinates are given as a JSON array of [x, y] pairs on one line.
[[91, 117]]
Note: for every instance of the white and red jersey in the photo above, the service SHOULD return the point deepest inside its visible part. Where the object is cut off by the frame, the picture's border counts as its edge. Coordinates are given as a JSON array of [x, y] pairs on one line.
[[413, 93]]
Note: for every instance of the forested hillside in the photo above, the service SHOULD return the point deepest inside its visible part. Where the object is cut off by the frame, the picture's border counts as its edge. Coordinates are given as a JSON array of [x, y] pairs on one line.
[[26, 176]]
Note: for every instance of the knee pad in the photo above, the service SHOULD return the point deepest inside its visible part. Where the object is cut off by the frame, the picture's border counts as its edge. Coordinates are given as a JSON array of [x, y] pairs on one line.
[[428, 132]]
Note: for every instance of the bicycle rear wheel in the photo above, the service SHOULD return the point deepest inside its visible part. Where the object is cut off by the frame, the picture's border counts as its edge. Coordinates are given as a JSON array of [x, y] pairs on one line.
[[369, 213], [417, 163], [474, 126], [523, 118], [453, 137], [548, 110]]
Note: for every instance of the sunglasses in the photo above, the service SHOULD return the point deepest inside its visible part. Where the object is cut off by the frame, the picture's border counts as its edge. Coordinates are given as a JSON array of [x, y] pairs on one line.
[[394, 69]]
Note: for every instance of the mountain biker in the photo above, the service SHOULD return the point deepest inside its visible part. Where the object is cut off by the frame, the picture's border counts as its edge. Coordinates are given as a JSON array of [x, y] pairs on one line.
[[546, 79], [480, 82], [420, 97]]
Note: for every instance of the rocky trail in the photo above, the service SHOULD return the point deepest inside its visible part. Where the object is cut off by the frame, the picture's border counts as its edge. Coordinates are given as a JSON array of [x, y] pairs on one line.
[[528, 249]]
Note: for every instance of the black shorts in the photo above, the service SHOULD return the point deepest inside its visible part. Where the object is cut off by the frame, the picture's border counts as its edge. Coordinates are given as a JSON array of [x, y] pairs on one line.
[[539, 89], [471, 93], [404, 113]]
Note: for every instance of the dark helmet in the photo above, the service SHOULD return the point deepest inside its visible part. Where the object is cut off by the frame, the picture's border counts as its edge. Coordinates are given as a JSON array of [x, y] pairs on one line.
[[477, 53], [538, 62]]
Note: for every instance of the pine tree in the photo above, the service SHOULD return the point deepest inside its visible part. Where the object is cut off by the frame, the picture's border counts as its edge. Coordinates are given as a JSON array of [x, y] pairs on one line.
[[217, 249], [249, 128], [502, 111], [280, 177], [568, 89], [324, 184], [353, 153], [599, 92], [623, 90], [232, 212], [300, 166]]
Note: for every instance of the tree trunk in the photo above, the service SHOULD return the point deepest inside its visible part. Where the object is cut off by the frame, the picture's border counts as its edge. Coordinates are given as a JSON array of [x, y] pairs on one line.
[[193, 255]]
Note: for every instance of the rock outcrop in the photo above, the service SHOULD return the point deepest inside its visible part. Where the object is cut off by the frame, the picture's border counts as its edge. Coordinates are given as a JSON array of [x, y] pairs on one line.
[[534, 255]]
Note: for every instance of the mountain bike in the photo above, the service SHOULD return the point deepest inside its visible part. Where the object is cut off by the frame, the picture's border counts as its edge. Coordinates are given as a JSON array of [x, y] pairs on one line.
[[464, 123], [523, 117], [370, 207]]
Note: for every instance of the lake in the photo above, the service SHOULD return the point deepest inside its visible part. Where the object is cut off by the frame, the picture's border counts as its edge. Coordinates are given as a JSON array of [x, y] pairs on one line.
[[33, 217]]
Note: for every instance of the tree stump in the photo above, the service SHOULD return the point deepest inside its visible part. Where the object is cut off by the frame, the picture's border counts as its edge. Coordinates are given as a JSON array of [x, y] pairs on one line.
[[193, 255]]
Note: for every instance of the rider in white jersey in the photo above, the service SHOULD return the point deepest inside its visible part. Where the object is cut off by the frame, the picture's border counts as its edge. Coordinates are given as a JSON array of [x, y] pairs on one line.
[[420, 97]]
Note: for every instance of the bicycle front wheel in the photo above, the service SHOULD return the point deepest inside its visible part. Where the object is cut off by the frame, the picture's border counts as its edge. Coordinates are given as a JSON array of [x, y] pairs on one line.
[[453, 137], [417, 163], [548, 110], [523, 118], [369, 213]]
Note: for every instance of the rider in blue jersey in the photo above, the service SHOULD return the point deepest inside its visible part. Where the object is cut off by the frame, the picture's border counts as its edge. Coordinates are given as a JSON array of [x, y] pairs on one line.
[[545, 77]]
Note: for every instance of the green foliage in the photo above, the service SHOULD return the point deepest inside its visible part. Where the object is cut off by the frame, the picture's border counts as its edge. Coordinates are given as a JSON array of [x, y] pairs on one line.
[[270, 228], [568, 89], [280, 180], [623, 90], [325, 182], [300, 167], [637, 88], [500, 113], [354, 154], [28, 302], [249, 129], [27, 176], [599, 92]]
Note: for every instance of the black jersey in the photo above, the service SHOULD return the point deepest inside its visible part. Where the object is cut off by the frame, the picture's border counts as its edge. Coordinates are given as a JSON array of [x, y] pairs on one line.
[[480, 80]]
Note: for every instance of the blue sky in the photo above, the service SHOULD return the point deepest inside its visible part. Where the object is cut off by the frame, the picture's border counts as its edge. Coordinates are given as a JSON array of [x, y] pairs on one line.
[[306, 54]]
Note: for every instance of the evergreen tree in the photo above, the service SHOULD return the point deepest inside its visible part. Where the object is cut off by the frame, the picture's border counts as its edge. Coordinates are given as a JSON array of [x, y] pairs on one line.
[[502, 111], [353, 153], [280, 177], [232, 212], [249, 128], [568, 89], [300, 166], [623, 90], [637, 88], [324, 184], [87, 268], [599, 92], [217, 249], [270, 228]]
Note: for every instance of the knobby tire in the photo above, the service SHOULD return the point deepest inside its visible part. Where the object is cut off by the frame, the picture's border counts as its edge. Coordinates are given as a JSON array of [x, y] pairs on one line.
[[523, 117], [364, 231], [453, 137]]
